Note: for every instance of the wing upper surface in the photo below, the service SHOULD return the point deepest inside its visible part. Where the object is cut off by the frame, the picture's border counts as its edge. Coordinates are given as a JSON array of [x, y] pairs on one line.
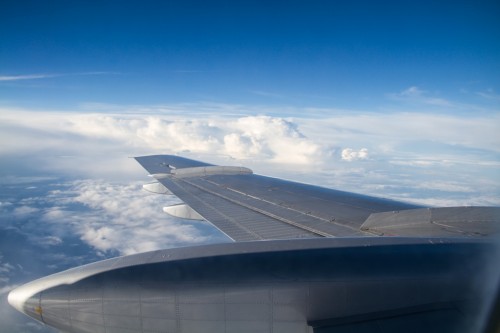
[[246, 206]]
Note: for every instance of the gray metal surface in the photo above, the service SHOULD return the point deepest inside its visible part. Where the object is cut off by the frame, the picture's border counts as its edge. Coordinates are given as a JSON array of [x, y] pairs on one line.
[[439, 222], [252, 207], [159, 163], [273, 286]]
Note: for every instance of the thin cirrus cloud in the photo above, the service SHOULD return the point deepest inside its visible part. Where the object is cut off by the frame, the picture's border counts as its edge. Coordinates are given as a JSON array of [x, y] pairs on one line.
[[47, 76], [266, 94], [415, 94], [26, 77], [489, 94]]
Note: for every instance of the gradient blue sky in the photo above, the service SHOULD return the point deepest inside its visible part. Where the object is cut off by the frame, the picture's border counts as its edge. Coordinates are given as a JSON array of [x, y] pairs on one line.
[[347, 54], [399, 99]]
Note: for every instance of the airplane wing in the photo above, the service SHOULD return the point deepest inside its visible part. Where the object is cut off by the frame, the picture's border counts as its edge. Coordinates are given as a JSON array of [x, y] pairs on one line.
[[246, 206], [314, 274]]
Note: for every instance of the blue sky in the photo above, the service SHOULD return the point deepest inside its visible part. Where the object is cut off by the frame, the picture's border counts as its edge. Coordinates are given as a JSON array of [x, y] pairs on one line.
[[305, 53], [399, 99]]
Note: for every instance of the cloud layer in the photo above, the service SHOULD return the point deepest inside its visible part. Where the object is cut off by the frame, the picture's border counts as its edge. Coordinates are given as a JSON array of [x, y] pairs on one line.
[[392, 150], [110, 217], [125, 212], [351, 155], [68, 190]]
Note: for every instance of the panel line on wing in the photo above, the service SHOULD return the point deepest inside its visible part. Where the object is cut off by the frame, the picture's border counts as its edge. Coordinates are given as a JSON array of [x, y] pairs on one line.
[[227, 225], [263, 212], [300, 219], [246, 206], [265, 226], [332, 221]]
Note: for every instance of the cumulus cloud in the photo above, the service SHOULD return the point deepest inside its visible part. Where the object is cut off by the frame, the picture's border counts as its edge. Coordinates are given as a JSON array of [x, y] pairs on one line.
[[440, 159], [351, 155], [122, 218], [273, 138], [407, 144], [267, 138]]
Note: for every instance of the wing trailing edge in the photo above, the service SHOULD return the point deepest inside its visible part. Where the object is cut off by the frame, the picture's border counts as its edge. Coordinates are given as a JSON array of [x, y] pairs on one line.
[[246, 206]]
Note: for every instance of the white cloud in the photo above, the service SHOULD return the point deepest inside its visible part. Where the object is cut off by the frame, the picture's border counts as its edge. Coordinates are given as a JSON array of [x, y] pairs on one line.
[[445, 186], [266, 93], [414, 162], [351, 155], [6, 270], [25, 77], [23, 211], [121, 217], [46, 76], [416, 95], [480, 132], [489, 94], [412, 92], [422, 147], [432, 159], [12, 179], [6, 289], [50, 240], [271, 138], [256, 134]]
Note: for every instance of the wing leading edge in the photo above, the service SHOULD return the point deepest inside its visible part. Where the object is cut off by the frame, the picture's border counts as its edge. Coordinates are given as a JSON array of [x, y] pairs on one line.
[[246, 206]]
